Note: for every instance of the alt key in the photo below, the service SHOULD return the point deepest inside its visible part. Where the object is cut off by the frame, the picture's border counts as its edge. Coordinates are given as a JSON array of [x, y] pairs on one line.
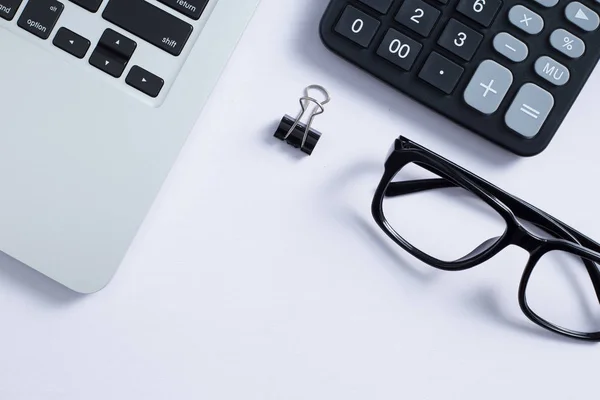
[[144, 81]]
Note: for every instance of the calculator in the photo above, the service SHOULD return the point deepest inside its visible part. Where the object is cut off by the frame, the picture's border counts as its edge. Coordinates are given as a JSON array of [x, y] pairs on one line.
[[507, 70]]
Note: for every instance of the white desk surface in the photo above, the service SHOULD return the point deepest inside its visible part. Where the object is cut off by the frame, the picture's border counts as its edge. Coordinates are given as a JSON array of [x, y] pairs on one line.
[[260, 274]]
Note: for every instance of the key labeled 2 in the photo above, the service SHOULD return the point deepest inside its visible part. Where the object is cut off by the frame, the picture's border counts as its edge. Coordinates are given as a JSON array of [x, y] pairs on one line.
[[418, 16], [399, 49]]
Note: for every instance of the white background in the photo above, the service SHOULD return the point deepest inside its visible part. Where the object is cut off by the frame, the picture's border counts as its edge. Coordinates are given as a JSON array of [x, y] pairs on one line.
[[260, 274]]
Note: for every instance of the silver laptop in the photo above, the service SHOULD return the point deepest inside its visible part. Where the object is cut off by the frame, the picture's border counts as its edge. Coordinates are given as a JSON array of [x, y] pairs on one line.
[[96, 100]]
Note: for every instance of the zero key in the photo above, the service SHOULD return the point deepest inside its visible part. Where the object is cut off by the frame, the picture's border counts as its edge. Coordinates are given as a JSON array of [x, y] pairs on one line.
[[357, 26]]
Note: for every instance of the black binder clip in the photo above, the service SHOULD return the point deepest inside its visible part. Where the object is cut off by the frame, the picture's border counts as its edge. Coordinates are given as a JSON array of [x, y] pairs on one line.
[[297, 134]]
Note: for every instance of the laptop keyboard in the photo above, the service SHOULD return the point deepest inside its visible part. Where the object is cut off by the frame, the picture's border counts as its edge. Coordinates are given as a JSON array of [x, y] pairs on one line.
[[138, 45]]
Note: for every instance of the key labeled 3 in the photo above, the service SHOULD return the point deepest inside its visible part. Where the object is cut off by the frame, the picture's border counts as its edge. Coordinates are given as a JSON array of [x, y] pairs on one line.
[[460, 39]]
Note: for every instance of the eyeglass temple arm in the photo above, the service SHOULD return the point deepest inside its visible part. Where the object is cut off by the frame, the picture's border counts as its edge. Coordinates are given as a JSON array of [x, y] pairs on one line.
[[521, 209]]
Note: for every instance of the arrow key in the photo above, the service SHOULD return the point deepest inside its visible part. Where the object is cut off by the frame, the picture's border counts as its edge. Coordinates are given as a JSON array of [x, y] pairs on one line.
[[71, 42], [582, 16], [118, 43], [144, 81], [107, 61]]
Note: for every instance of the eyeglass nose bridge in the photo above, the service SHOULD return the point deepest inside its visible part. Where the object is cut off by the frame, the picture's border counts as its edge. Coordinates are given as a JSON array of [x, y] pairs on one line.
[[525, 239]]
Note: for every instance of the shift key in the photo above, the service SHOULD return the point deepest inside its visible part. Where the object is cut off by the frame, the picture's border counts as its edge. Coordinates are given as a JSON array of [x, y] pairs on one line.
[[149, 22]]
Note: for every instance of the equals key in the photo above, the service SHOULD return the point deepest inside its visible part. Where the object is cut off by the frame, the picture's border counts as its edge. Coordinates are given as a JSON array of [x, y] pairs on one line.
[[40, 16]]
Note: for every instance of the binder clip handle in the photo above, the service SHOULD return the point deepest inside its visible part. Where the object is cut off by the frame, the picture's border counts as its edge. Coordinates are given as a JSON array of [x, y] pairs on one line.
[[298, 134]]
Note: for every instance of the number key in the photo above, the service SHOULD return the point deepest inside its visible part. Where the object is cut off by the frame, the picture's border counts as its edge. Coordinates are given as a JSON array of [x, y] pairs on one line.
[[399, 49], [480, 11], [418, 16], [357, 26], [460, 39]]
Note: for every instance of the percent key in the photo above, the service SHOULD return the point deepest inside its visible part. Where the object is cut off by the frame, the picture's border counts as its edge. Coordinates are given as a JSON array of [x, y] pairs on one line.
[[567, 43]]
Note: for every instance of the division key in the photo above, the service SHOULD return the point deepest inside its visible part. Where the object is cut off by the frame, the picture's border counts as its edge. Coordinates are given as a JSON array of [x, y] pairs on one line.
[[150, 23]]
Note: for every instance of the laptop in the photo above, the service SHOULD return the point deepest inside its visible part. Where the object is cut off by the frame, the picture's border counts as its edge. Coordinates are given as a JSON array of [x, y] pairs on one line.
[[97, 97]]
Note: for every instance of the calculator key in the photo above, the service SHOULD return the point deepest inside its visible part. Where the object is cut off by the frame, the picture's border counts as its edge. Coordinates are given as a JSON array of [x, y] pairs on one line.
[[144, 81], [40, 16], [526, 20], [90, 5], [71, 42], [460, 39], [441, 73], [118, 43], [357, 26], [480, 11], [380, 5], [399, 49], [8, 8], [529, 110], [582, 16], [418, 16], [107, 61], [488, 87], [552, 71], [547, 3], [442, 1], [510, 47], [567, 43]]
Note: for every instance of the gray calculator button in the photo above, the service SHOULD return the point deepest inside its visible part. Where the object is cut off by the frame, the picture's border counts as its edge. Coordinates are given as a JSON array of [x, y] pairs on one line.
[[529, 110], [526, 20], [487, 88], [567, 43], [582, 16], [552, 71], [547, 3], [510, 47]]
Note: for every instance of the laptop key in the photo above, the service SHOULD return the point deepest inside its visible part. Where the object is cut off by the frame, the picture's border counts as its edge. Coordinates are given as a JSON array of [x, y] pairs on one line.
[[108, 61], [40, 16], [144, 81], [72, 43], [8, 8], [189, 8], [90, 5], [149, 22], [118, 43]]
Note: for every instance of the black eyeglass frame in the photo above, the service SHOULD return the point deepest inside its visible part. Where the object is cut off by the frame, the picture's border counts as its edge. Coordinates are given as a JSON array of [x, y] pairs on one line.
[[511, 209]]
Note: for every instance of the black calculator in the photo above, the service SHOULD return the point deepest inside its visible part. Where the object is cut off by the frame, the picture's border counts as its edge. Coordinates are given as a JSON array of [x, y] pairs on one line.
[[508, 70]]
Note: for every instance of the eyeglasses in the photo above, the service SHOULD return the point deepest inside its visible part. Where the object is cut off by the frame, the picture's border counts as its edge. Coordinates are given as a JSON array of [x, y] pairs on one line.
[[454, 220]]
